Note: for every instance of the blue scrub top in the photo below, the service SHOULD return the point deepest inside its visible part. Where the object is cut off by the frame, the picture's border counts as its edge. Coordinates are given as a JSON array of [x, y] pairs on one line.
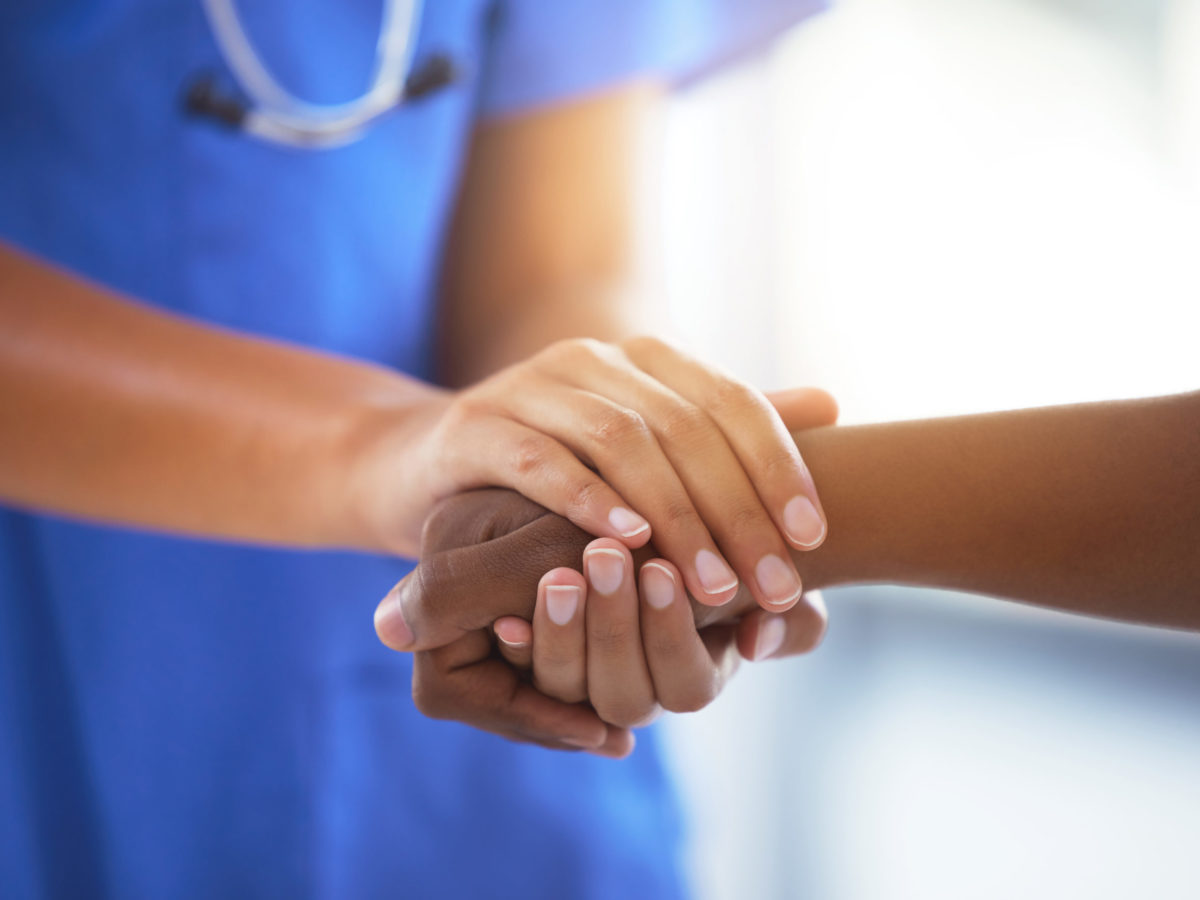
[[182, 718]]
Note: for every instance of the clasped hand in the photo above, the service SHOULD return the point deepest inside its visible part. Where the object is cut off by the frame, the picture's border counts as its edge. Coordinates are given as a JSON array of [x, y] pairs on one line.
[[514, 635]]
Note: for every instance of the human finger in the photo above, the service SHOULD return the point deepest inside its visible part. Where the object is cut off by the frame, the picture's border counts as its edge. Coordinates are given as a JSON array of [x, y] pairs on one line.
[[486, 448], [514, 639], [465, 682], [762, 635], [483, 555], [804, 407], [623, 444], [685, 675], [755, 431], [560, 637], [691, 447], [619, 684]]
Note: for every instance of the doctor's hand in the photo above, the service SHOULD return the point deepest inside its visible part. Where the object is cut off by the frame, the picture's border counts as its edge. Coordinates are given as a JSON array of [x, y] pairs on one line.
[[483, 555], [632, 441]]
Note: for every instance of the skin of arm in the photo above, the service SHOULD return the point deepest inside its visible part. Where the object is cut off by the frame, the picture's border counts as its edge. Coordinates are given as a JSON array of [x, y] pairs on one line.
[[114, 410], [1091, 509], [119, 412]]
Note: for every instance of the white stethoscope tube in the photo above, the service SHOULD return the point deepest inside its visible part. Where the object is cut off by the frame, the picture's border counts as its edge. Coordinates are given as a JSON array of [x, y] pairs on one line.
[[277, 115]]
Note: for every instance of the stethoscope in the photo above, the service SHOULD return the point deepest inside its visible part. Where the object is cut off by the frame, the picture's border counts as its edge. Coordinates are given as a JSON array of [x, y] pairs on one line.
[[271, 113]]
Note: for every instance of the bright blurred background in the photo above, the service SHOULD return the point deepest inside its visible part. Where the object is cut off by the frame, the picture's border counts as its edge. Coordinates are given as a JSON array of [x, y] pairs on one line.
[[933, 207]]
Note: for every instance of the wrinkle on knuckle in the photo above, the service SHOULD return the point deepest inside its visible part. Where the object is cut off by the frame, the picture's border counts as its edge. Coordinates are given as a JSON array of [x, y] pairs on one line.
[[680, 515], [645, 345], [610, 638], [617, 428], [684, 424], [734, 398], [745, 520], [584, 496], [529, 456]]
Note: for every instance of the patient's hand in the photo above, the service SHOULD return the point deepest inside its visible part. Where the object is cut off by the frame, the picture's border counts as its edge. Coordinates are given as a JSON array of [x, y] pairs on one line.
[[483, 556]]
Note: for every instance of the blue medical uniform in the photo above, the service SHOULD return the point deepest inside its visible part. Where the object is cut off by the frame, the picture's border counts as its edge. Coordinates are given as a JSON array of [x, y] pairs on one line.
[[184, 718]]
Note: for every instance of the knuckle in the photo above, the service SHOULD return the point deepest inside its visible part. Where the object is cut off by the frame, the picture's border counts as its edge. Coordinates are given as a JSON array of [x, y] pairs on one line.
[[618, 427], [665, 647], [684, 423], [645, 345], [610, 638], [745, 519], [584, 496], [691, 697], [529, 456], [734, 398], [776, 464], [625, 712], [680, 515], [573, 352]]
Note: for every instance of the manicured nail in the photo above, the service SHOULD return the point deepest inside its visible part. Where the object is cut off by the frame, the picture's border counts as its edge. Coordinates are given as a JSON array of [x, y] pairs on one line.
[[605, 569], [390, 624], [658, 584], [803, 523], [771, 633], [627, 523], [561, 602], [714, 575], [777, 580]]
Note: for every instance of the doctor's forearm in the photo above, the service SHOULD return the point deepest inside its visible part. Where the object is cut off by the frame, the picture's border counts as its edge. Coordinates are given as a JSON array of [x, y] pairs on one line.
[[114, 411], [1092, 508]]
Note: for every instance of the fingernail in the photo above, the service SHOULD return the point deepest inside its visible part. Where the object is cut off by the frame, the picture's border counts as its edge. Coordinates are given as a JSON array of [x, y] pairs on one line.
[[777, 580], [770, 637], [390, 624], [714, 575], [561, 602], [605, 569], [658, 584], [516, 645], [803, 523], [626, 522]]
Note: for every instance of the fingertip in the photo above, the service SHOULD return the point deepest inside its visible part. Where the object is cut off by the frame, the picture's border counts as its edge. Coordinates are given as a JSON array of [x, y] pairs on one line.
[[563, 576], [628, 527], [619, 743], [390, 625], [514, 631]]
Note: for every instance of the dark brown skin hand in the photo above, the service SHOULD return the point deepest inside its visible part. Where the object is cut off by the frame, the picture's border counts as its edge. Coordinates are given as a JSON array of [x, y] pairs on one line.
[[499, 539]]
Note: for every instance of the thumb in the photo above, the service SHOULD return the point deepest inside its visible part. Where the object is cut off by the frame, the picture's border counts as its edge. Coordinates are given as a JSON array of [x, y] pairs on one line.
[[457, 591], [805, 407]]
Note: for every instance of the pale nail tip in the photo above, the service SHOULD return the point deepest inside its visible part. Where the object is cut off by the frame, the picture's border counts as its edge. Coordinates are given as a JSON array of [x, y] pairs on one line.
[[627, 523], [732, 586], [803, 523]]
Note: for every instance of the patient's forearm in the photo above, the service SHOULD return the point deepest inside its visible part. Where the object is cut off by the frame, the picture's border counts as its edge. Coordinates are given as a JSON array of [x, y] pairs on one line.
[[1092, 508]]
